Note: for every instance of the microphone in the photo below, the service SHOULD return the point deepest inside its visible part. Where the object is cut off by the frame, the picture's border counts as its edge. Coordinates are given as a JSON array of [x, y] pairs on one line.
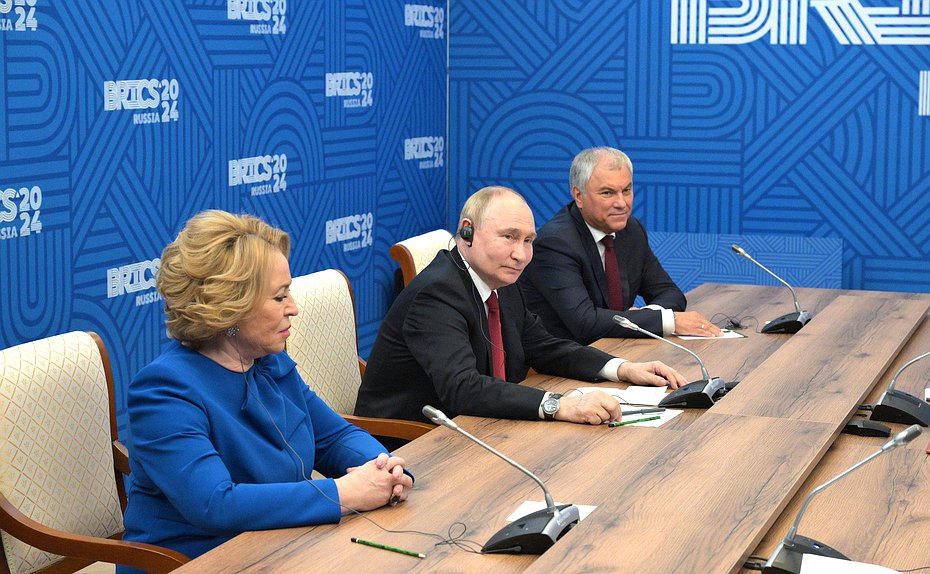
[[699, 394], [790, 323], [534, 533], [788, 556], [899, 407]]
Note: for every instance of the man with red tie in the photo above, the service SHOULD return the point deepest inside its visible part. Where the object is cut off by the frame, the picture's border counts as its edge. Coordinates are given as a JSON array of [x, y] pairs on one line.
[[459, 335], [593, 259]]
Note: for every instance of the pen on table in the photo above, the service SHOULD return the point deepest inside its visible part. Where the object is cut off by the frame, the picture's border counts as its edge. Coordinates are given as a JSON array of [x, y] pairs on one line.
[[633, 422], [389, 548], [645, 411]]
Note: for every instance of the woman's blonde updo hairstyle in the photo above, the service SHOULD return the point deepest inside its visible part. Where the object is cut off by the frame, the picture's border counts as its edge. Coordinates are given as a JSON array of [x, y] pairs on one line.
[[212, 275]]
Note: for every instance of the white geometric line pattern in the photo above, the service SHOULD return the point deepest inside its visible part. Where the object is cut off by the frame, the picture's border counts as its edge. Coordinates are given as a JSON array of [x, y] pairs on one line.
[[56, 462], [785, 22], [923, 97], [323, 338], [852, 23]]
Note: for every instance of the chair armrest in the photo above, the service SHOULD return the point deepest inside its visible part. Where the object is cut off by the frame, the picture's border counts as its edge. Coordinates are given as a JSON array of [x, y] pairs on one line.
[[362, 365], [407, 430], [153, 559], [120, 457]]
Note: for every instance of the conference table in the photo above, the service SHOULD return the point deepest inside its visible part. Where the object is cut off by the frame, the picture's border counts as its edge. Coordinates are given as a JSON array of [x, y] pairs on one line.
[[699, 494]]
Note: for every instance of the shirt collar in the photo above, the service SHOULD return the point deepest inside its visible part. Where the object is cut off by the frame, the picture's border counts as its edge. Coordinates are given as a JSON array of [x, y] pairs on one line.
[[597, 234], [483, 290]]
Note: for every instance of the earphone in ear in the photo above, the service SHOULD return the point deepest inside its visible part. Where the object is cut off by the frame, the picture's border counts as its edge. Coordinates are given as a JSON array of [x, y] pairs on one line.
[[467, 232]]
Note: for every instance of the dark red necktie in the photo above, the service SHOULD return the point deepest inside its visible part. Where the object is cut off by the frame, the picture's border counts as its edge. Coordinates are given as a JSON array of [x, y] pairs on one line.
[[612, 271], [497, 341]]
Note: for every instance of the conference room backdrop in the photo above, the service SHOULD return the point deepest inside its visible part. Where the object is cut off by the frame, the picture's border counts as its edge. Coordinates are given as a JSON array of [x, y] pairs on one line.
[[800, 128], [120, 119]]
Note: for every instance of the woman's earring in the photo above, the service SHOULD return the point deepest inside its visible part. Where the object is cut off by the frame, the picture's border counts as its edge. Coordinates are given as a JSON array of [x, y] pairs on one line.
[[232, 331]]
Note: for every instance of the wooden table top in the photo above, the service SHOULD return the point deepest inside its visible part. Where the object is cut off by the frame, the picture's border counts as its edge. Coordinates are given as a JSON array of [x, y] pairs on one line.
[[699, 494]]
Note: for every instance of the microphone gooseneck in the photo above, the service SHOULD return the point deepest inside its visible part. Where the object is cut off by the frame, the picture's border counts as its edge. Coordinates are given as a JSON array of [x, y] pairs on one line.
[[742, 253], [531, 534], [626, 323], [900, 439], [894, 379], [438, 417]]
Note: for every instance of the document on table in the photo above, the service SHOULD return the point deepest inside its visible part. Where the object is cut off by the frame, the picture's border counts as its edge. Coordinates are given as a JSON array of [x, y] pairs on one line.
[[727, 334], [634, 395], [639, 396], [813, 564]]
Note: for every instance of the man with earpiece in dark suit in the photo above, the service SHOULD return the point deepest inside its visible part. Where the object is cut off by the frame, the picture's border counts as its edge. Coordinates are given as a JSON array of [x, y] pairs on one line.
[[593, 259], [459, 335]]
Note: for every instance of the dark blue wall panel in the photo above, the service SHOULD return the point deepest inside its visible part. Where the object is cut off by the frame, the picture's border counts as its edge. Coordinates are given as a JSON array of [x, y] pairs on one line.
[[119, 120], [793, 121]]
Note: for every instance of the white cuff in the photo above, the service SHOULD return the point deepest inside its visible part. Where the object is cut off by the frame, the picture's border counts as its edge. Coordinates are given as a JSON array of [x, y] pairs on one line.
[[609, 371]]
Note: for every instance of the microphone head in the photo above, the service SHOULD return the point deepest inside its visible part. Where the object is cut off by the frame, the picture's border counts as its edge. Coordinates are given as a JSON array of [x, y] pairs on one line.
[[626, 323], [739, 250], [907, 435], [438, 417]]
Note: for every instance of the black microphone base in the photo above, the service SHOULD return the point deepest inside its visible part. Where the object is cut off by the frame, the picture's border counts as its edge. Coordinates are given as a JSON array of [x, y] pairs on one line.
[[899, 407], [534, 533], [790, 323], [787, 557], [696, 395]]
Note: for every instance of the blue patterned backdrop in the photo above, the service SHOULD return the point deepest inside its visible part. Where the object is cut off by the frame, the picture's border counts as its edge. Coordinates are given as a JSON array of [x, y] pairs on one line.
[[801, 126], [119, 119]]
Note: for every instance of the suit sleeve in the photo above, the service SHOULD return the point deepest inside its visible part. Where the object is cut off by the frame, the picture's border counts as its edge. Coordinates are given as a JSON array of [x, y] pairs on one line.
[[557, 275], [171, 440], [553, 356], [657, 288], [438, 335]]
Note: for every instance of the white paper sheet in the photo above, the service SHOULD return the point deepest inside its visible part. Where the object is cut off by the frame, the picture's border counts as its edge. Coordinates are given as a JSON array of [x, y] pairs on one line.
[[727, 334], [813, 564]]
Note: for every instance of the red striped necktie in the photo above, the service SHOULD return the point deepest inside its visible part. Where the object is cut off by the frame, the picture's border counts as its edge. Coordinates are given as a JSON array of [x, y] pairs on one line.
[[612, 271], [497, 341]]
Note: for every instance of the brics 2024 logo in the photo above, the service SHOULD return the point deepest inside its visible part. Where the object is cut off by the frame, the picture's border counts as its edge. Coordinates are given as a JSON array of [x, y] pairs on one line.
[[23, 204], [429, 19], [23, 15], [269, 15], [429, 150], [268, 171], [143, 95], [785, 21], [355, 87]]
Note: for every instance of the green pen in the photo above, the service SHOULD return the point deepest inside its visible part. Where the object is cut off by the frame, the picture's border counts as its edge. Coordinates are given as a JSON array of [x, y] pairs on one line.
[[624, 423], [389, 548]]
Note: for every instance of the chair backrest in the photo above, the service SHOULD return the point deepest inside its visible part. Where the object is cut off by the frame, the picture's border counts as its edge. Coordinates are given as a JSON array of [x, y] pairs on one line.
[[323, 339], [416, 253], [56, 431]]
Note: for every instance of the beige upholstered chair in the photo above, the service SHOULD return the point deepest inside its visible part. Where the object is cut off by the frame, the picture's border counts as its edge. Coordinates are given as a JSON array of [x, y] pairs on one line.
[[61, 465], [324, 344], [417, 252]]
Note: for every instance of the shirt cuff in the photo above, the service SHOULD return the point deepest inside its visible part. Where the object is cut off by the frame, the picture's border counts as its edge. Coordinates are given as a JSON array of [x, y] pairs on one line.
[[668, 320], [609, 371]]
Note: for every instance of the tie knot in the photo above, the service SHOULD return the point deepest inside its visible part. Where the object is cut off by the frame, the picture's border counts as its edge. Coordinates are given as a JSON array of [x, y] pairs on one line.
[[492, 302], [608, 242]]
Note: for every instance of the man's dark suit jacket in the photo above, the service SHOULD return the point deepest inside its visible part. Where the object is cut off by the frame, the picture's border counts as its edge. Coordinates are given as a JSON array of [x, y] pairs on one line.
[[566, 286], [433, 349]]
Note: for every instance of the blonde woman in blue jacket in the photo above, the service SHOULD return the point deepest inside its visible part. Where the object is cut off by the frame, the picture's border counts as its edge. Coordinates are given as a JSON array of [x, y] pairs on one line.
[[224, 432]]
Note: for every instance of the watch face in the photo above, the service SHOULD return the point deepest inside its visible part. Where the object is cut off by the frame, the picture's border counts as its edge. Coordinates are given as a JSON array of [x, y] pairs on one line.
[[551, 406]]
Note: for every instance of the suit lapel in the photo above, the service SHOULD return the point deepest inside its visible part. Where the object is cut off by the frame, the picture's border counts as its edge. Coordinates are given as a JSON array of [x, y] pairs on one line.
[[592, 255], [474, 302]]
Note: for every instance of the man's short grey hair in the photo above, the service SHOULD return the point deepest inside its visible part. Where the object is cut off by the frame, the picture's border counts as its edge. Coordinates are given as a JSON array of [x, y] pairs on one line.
[[584, 163]]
